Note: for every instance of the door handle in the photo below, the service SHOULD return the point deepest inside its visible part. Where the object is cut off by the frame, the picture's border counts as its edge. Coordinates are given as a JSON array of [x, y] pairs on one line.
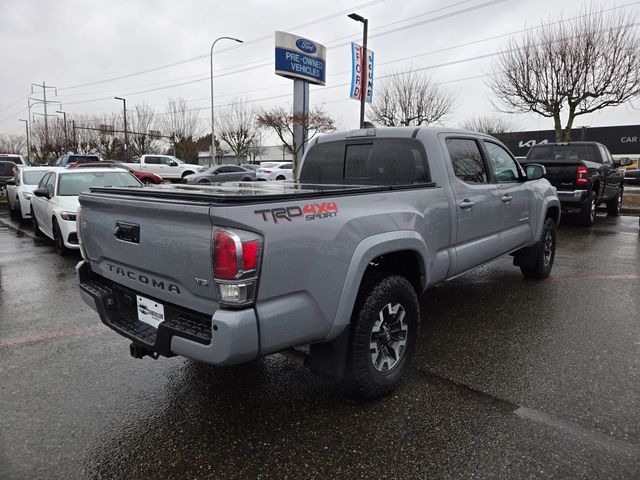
[[506, 198], [466, 204]]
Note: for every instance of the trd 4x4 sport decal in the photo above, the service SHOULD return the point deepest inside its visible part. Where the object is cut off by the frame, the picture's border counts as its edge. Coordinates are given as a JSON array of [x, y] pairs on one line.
[[310, 211]]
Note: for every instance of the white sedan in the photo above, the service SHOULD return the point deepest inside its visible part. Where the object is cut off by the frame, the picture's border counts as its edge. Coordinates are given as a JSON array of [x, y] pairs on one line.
[[20, 189], [274, 171], [54, 203]]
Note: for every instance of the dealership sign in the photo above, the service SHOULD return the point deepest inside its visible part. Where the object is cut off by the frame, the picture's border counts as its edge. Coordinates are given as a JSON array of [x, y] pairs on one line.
[[300, 58], [361, 82]]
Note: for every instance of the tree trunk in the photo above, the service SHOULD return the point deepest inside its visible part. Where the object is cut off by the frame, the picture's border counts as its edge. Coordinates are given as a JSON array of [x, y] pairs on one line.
[[566, 137], [557, 125]]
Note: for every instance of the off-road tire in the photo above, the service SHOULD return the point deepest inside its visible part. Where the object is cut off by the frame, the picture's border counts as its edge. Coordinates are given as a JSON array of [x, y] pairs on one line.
[[58, 240], [538, 260], [587, 215], [614, 205], [376, 294]]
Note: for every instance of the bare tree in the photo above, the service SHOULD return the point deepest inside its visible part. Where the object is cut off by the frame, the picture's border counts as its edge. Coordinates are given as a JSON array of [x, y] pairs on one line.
[[257, 148], [581, 66], [143, 121], [489, 124], [44, 151], [281, 121], [108, 143], [182, 126], [13, 143], [237, 127], [409, 98]]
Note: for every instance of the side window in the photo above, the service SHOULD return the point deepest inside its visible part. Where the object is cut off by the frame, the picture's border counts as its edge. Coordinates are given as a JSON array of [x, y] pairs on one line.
[[233, 169], [152, 160], [286, 166], [166, 160], [44, 180], [225, 170], [51, 183], [467, 161], [606, 156], [505, 167]]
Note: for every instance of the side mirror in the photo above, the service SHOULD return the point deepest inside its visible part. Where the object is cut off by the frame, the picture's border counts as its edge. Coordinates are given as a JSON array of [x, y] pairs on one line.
[[624, 162], [41, 192], [535, 171], [11, 181], [173, 163]]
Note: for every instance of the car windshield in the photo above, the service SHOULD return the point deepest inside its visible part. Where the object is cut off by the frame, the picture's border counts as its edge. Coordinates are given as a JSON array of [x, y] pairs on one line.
[[74, 183], [176, 159], [563, 153], [33, 178], [268, 164]]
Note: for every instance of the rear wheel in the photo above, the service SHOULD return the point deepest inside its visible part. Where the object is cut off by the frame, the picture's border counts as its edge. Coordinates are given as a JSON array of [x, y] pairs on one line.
[[587, 215], [538, 261], [384, 332], [614, 205], [17, 212], [280, 177], [12, 211], [186, 173], [59, 239]]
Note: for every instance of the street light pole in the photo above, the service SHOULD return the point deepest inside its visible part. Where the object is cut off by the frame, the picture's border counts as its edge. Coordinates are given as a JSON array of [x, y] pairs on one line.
[[213, 138], [126, 136], [26, 125], [66, 136], [363, 62]]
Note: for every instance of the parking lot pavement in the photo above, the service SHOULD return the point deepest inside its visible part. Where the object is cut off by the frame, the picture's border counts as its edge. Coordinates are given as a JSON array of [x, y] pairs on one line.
[[513, 379]]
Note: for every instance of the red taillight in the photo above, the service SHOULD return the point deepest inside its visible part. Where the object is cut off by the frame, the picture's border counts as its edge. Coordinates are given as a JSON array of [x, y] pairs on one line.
[[266, 171], [581, 175], [226, 259], [236, 253]]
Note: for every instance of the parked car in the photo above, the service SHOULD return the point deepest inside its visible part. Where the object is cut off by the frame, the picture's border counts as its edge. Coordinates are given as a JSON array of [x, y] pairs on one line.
[[147, 178], [221, 173], [55, 202], [166, 166], [585, 175], [632, 177], [21, 187], [251, 166], [7, 171], [71, 158], [13, 157], [275, 171], [327, 270]]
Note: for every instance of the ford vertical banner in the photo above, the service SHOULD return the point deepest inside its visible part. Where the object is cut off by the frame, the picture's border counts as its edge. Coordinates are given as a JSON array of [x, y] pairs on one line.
[[357, 77], [298, 57]]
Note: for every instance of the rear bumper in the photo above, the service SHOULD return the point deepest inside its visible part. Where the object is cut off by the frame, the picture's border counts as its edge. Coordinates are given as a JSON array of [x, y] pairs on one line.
[[573, 200], [226, 338]]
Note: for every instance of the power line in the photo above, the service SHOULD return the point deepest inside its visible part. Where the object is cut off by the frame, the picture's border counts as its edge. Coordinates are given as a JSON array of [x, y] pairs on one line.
[[248, 42], [12, 104]]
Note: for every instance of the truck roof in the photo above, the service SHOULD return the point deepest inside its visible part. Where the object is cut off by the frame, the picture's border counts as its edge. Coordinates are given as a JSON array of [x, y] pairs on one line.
[[391, 132]]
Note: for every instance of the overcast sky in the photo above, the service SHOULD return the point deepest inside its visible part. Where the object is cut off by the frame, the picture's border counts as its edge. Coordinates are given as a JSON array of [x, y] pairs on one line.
[[71, 43]]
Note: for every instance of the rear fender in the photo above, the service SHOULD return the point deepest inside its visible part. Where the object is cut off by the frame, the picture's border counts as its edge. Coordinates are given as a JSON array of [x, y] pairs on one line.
[[365, 252]]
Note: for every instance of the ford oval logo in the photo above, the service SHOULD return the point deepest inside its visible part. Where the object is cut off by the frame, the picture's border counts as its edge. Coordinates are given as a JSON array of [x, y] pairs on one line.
[[306, 46]]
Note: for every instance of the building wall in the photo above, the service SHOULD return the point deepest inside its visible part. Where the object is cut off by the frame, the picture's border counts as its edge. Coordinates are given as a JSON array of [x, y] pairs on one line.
[[273, 153]]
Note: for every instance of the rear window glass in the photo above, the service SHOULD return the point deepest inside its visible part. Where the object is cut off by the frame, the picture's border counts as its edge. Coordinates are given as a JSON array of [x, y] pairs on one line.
[[74, 183], [384, 161], [83, 158], [6, 169], [33, 178], [564, 153]]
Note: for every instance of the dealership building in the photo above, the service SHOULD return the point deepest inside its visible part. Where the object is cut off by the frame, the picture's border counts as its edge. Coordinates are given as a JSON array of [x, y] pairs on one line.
[[621, 140]]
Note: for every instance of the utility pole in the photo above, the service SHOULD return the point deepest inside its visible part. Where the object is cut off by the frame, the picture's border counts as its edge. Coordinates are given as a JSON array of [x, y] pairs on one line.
[[126, 137], [44, 101], [66, 136], [26, 125], [75, 139]]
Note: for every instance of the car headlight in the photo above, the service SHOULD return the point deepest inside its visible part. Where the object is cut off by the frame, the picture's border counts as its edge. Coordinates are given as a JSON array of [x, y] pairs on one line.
[[68, 216], [27, 195]]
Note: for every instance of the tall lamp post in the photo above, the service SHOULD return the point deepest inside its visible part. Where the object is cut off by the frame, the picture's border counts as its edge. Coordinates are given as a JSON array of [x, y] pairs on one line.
[[126, 136], [213, 138], [26, 125], [66, 135], [363, 62]]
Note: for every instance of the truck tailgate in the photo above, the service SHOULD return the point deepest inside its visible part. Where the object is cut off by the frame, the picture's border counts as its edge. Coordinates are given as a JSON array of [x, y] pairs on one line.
[[141, 235], [561, 173]]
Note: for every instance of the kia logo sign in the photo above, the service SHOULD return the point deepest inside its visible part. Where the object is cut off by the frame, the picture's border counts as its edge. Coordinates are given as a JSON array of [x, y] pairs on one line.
[[306, 46]]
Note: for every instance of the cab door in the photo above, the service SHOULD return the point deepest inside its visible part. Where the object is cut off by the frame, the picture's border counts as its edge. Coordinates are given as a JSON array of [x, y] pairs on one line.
[[478, 205], [516, 197]]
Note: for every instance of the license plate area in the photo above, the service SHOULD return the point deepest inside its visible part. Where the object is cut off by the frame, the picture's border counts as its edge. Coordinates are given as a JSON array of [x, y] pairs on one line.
[[149, 311]]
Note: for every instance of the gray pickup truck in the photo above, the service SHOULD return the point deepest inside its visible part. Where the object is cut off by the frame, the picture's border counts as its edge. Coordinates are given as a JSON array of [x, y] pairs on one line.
[[326, 270]]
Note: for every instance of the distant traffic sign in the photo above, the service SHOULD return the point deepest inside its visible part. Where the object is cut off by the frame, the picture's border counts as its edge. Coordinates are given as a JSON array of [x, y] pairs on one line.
[[298, 57]]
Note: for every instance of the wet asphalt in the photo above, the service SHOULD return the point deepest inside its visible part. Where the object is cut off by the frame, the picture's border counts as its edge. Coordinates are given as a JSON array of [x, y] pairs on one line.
[[513, 379]]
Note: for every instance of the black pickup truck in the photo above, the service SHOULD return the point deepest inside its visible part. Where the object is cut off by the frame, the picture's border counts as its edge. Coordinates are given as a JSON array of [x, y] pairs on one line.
[[585, 175]]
